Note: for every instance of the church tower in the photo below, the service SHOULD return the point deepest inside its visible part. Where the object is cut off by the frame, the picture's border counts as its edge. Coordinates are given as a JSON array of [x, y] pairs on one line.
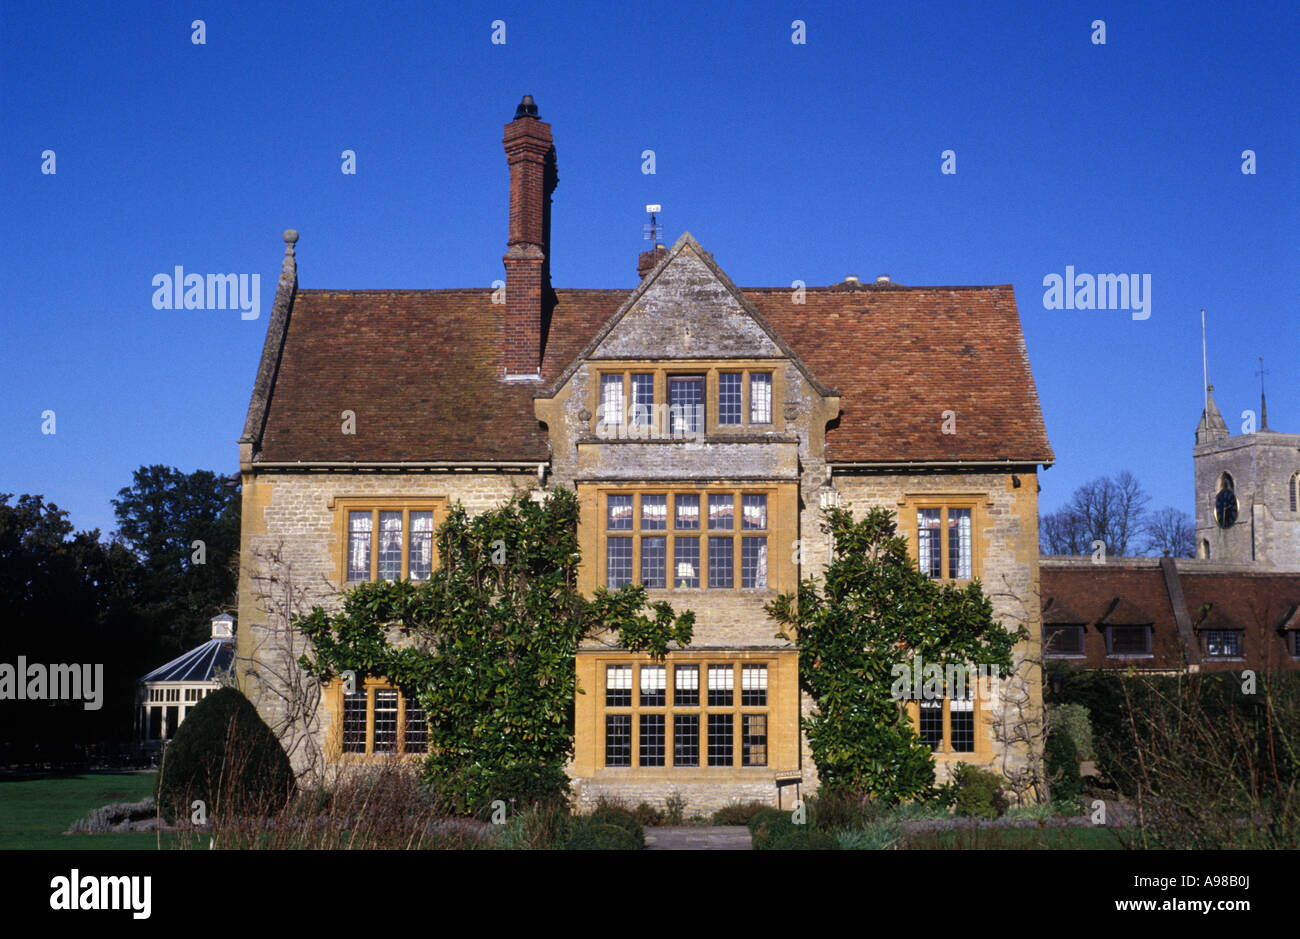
[[1247, 492]]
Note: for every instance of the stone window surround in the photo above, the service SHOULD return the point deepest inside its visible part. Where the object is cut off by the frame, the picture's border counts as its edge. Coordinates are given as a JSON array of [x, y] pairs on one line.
[[342, 505], [334, 702], [669, 709], [944, 753], [978, 502], [703, 533], [710, 370]]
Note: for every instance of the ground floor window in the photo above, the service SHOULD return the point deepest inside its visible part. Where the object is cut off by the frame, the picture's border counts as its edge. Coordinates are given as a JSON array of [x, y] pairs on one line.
[[378, 719], [655, 713], [947, 725]]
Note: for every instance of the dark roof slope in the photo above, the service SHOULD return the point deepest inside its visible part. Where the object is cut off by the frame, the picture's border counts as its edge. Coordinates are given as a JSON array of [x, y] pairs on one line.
[[419, 368], [1133, 591], [199, 664]]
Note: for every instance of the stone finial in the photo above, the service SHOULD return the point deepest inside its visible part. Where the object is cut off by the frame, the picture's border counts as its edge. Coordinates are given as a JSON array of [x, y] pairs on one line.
[[290, 239]]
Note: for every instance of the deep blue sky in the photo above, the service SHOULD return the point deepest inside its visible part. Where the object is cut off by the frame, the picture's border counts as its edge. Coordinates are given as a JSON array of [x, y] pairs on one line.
[[787, 162]]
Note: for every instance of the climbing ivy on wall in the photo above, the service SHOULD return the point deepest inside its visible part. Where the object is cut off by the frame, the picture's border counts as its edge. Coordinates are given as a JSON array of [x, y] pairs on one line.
[[865, 621], [488, 644]]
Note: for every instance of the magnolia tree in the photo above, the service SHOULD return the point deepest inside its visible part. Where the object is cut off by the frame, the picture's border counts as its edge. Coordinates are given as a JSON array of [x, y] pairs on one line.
[[870, 620], [488, 644]]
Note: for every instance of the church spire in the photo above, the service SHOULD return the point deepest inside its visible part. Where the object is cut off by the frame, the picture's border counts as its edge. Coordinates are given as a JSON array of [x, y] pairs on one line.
[[1263, 404], [1212, 428]]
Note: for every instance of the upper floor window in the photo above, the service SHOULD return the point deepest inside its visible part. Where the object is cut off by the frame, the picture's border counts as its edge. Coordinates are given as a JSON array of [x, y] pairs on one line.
[[686, 404], [1223, 643], [1295, 491], [1128, 640], [1063, 640], [760, 397], [939, 556], [389, 544], [662, 403], [729, 397], [692, 539]]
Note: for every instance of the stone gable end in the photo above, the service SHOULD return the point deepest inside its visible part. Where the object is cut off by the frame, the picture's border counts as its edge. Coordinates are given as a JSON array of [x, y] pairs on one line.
[[686, 312]]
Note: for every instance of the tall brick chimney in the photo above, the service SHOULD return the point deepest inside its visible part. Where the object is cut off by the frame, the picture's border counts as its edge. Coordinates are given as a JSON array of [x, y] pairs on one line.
[[529, 299]]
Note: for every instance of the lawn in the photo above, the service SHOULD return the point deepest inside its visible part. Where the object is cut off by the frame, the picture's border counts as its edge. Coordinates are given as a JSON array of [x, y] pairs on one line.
[[34, 813]]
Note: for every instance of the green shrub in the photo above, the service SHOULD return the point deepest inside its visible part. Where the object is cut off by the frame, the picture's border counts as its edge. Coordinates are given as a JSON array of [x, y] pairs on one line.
[[1060, 760], [647, 815], [769, 825], [738, 813], [674, 808], [837, 809], [593, 836], [619, 818], [979, 792], [802, 840], [1075, 720], [518, 786], [225, 755]]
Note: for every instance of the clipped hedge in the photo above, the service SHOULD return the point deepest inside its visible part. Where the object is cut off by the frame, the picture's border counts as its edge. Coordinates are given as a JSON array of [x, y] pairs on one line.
[[225, 755]]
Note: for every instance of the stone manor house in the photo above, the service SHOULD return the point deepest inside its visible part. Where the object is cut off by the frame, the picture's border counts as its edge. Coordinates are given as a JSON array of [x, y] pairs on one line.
[[703, 426]]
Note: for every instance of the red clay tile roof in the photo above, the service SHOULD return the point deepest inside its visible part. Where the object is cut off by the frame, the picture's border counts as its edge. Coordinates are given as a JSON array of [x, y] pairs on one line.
[[419, 369], [1256, 602]]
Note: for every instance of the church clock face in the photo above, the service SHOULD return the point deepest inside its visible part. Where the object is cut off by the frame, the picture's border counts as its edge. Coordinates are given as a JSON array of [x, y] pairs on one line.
[[1225, 507]]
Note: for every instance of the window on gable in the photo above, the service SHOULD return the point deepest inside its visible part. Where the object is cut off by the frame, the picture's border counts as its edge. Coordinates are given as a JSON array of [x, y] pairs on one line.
[[760, 397], [729, 397], [686, 405], [611, 400], [1295, 491], [643, 400]]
